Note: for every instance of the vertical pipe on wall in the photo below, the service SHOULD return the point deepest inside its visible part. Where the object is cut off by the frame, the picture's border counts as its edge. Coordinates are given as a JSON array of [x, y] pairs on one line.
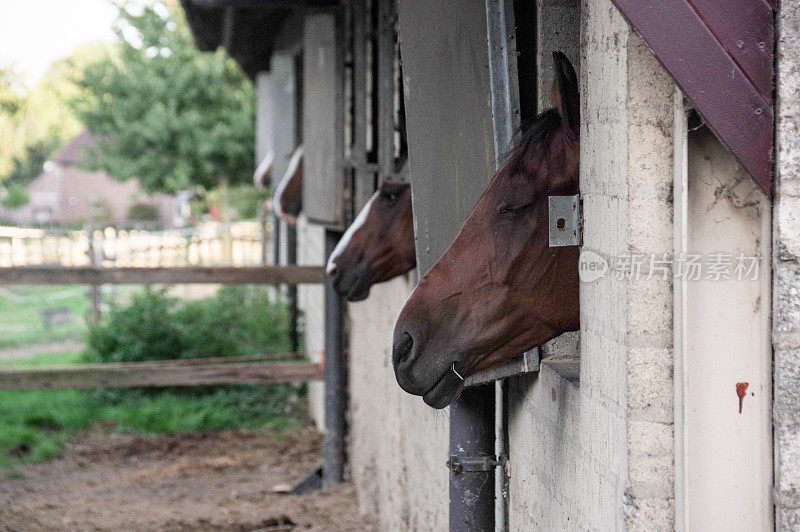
[[680, 218], [472, 486], [276, 240], [291, 229], [291, 290], [506, 111], [334, 376]]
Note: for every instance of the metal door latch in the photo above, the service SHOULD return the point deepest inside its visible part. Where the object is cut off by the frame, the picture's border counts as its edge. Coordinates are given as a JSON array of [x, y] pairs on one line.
[[461, 464], [564, 216]]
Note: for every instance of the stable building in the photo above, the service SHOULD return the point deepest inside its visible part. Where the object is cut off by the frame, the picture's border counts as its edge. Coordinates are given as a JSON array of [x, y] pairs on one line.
[[675, 405]]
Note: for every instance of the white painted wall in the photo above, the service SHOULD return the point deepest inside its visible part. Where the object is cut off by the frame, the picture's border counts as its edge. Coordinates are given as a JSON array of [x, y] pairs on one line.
[[311, 302], [558, 23], [723, 339], [397, 444], [264, 115]]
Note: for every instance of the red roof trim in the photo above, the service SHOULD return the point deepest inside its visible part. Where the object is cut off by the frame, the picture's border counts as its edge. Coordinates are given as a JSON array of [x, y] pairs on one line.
[[710, 76]]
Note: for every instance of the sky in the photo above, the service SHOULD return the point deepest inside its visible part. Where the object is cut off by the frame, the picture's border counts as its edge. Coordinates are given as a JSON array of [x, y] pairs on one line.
[[34, 33]]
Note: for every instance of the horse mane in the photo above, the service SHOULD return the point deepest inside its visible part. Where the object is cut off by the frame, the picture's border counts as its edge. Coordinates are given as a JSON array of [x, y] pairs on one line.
[[536, 132]]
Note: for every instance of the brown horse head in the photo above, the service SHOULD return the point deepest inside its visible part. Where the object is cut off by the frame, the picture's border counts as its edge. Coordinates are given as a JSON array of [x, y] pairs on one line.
[[378, 246], [499, 290], [288, 198]]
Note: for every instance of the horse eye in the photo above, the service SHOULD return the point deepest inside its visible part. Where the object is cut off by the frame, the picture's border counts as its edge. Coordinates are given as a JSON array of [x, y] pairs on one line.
[[389, 196], [522, 209]]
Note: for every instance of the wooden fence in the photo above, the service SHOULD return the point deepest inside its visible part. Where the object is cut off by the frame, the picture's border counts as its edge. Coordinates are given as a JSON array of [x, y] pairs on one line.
[[269, 275], [210, 243], [195, 372]]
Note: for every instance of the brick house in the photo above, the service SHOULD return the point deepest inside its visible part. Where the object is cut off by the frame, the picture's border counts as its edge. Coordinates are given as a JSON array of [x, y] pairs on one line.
[[65, 194]]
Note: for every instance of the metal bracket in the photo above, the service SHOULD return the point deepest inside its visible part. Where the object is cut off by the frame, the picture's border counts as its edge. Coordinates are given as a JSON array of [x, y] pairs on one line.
[[463, 464], [565, 220]]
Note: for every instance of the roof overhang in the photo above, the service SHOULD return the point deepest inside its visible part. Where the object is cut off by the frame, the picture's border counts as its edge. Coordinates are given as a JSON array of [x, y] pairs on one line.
[[720, 53], [247, 29]]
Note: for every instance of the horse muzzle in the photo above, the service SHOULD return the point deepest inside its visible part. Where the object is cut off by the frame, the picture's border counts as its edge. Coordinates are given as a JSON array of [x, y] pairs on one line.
[[439, 384], [352, 283]]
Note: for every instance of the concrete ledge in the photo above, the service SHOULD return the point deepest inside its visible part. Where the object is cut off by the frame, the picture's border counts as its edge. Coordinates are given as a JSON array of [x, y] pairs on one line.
[[568, 369]]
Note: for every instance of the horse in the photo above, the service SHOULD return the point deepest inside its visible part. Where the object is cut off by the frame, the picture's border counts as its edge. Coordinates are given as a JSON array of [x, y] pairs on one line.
[[378, 245], [288, 198], [262, 177], [499, 290]]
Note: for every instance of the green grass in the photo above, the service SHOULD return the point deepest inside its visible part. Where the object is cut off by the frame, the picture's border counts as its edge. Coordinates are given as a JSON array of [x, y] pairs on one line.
[[20, 307], [46, 359], [35, 425], [20, 319]]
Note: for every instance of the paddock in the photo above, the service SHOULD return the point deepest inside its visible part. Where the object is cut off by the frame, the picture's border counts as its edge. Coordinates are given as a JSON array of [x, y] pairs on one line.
[[674, 404]]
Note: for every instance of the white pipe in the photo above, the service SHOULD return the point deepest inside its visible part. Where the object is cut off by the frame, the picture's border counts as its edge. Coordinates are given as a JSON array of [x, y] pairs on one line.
[[681, 236]]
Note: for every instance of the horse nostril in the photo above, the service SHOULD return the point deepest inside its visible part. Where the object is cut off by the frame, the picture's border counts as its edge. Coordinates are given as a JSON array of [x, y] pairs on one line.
[[332, 270], [402, 348]]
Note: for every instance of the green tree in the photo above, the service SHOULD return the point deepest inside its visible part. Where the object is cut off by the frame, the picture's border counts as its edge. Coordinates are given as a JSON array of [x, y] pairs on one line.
[[30, 163], [36, 122], [14, 129], [14, 196], [162, 111]]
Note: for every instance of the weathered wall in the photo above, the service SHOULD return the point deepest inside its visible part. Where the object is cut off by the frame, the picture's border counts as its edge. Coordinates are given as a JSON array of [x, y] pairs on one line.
[[599, 454], [311, 302], [720, 212], [558, 24], [786, 273], [397, 444]]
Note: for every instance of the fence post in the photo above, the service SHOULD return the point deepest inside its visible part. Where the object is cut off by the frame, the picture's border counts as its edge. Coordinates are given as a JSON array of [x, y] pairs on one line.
[[335, 387], [95, 295]]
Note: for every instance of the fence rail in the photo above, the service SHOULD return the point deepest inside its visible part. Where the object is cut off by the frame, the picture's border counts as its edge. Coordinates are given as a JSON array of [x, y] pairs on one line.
[[157, 374], [272, 275], [209, 243]]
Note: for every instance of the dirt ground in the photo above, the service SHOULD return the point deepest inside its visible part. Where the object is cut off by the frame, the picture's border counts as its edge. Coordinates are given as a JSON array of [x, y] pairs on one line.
[[211, 481]]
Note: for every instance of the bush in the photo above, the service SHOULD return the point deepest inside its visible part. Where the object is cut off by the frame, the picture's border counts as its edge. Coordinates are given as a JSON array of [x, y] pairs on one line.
[[238, 321], [15, 197], [245, 200], [143, 212], [144, 330]]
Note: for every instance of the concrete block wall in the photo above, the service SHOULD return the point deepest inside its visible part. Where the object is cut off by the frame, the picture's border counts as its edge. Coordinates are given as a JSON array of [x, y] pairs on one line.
[[599, 454], [558, 29], [558, 24], [311, 302], [397, 444], [786, 273]]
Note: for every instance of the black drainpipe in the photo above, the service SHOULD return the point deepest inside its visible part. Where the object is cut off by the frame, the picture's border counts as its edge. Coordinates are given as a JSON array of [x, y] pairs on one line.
[[472, 460], [333, 449], [291, 290]]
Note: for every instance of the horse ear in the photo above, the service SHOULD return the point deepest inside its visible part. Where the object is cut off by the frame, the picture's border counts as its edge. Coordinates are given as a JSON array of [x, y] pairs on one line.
[[564, 94]]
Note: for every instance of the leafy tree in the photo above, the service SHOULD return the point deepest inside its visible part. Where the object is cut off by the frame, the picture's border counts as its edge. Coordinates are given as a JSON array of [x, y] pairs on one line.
[[14, 197], [162, 111], [35, 122], [13, 132], [10, 98], [26, 166]]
